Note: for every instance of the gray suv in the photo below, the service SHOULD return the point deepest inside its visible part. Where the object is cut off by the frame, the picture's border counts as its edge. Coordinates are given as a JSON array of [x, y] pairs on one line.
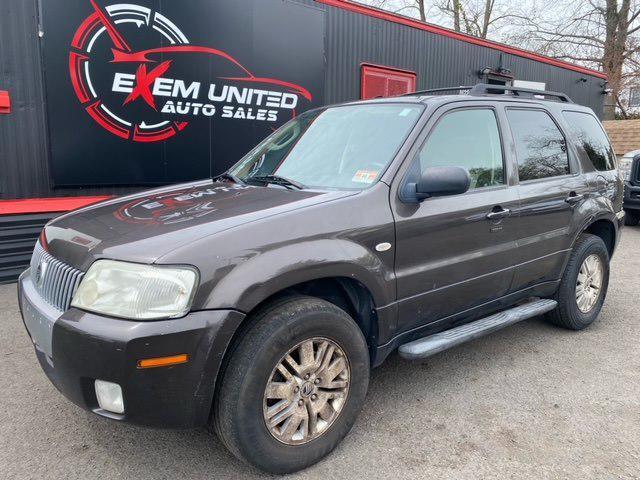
[[257, 302]]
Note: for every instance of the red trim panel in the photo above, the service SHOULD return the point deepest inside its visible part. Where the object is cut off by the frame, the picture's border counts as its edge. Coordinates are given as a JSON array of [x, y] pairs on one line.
[[5, 102], [46, 205], [392, 17]]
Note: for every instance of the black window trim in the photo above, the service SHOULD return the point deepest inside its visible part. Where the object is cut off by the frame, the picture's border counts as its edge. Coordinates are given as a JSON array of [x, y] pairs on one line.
[[571, 173], [443, 114]]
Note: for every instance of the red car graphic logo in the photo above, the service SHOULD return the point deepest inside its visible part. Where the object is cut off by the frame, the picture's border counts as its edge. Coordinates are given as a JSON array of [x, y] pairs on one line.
[[150, 123]]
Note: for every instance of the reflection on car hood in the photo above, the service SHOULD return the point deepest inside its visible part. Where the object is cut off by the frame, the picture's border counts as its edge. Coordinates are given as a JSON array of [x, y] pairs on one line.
[[145, 226]]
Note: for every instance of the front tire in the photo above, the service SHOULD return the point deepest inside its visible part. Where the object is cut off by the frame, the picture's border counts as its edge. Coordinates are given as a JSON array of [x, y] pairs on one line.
[[293, 386], [583, 287]]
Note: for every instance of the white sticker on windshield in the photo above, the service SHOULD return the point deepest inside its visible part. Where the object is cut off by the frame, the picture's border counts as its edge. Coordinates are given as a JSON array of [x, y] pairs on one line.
[[405, 112], [365, 176]]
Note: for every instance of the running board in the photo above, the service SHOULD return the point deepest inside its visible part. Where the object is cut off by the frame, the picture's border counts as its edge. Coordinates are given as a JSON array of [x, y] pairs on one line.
[[427, 346]]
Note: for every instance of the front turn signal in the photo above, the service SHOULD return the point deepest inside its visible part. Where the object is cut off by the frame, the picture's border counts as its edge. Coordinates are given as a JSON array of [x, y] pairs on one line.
[[163, 361]]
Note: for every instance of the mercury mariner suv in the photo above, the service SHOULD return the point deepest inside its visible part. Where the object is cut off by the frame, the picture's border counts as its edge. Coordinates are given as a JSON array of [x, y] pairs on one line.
[[257, 302]]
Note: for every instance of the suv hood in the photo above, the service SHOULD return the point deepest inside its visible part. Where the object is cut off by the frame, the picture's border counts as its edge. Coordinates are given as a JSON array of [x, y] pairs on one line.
[[145, 226]]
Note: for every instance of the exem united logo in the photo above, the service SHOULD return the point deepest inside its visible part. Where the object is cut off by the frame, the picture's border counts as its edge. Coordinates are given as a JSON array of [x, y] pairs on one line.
[[130, 69]]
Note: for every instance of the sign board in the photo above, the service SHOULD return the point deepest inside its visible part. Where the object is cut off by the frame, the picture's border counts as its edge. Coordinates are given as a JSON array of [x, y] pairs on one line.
[[528, 84], [156, 92]]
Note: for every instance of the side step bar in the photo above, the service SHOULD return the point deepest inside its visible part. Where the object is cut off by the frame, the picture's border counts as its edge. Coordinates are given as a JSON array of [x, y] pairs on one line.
[[427, 346]]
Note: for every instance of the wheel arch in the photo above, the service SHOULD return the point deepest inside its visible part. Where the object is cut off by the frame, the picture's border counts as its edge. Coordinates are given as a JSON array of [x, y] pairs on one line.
[[606, 230], [249, 283], [346, 293], [602, 226]]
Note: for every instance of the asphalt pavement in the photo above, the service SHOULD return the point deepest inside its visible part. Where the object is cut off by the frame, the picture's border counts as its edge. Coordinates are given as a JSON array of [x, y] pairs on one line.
[[531, 401]]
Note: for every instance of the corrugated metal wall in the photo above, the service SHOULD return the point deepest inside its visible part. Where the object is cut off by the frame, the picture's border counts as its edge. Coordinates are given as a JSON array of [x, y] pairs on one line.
[[18, 235], [350, 40], [24, 151], [23, 146], [437, 60]]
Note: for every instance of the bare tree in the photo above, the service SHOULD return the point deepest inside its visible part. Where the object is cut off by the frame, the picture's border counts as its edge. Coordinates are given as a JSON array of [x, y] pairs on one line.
[[601, 34], [412, 8], [475, 17], [596, 33]]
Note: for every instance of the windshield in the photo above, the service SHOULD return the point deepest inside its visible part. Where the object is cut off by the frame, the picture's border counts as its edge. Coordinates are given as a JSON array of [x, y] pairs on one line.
[[346, 147]]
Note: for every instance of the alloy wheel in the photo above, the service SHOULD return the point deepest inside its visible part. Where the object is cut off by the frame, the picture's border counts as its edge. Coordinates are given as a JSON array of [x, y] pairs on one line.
[[306, 391], [589, 283]]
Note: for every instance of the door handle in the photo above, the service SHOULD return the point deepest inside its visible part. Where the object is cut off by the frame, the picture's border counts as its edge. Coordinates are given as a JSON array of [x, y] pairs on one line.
[[498, 213], [574, 198]]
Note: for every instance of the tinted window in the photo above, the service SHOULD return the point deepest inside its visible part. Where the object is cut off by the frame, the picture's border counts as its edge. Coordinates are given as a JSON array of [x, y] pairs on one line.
[[590, 135], [469, 139], [540, 146]]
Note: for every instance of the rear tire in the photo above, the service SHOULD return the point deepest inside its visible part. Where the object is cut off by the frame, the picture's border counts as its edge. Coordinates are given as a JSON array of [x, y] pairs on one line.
[[576, 311], [253, 387], [631, 219]]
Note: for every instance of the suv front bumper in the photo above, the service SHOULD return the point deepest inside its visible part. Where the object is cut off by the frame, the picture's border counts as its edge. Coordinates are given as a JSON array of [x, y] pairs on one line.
[[75, 348]]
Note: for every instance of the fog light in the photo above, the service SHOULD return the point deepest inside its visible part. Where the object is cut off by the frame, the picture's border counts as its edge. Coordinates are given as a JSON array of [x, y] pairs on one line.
[[109, 396]]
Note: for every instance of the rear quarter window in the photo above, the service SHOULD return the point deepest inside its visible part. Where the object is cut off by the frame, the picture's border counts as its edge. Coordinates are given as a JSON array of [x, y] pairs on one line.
[[586, 130]]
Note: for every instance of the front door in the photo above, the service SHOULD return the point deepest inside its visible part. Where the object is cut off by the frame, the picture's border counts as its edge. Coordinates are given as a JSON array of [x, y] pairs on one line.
[[454, 253]]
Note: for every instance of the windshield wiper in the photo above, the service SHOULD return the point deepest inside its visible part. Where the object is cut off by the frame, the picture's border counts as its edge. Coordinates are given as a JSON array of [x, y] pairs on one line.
[[229, 176], [278, 180]]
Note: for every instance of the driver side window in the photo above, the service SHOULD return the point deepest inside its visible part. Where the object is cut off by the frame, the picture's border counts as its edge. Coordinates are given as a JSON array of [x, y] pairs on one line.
[[469, 139]]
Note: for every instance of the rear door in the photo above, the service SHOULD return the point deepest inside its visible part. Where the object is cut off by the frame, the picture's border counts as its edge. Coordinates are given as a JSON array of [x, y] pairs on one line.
[[551, 189], [456, 252]]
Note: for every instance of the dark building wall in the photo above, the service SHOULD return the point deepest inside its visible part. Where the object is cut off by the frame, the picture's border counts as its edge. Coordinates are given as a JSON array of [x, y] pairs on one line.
[[437, 60], [350, 40], [24, 149], [18, 235], [23, 146]]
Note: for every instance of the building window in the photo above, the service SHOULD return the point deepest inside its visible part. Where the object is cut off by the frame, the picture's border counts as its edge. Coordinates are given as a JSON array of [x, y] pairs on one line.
[[386, 82]]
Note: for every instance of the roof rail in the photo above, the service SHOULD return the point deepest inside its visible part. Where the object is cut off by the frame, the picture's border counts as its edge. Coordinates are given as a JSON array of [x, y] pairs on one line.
[[436, 90], [490, 89], [486, 88]]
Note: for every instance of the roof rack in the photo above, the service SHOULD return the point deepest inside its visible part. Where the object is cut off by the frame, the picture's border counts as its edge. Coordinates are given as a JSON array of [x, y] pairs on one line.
[[486, 88], [490, 89]]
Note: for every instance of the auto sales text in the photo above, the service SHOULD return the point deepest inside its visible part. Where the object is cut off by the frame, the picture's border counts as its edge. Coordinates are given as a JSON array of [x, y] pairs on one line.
[[226, 100]]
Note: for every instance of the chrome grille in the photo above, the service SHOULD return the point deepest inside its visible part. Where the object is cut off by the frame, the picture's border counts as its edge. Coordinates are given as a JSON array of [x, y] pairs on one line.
[[55, 281]]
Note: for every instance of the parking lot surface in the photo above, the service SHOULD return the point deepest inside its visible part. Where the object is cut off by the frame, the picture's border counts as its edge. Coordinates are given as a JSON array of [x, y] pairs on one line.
[[531, 401]]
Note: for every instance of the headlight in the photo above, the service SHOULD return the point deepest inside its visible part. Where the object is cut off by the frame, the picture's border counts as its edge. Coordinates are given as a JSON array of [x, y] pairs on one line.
[[135, 291], [624, 166]]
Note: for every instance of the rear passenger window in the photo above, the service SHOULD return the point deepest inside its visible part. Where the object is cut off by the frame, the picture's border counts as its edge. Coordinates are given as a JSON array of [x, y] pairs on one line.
[[469, 139], [540, 146], [591, 136]]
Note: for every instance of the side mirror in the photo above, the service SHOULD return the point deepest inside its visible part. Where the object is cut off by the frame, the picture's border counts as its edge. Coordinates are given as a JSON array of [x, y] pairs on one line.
[[438, 182]]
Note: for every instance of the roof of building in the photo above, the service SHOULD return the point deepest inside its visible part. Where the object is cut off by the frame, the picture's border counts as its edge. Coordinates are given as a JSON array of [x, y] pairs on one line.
[[624, 135]]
